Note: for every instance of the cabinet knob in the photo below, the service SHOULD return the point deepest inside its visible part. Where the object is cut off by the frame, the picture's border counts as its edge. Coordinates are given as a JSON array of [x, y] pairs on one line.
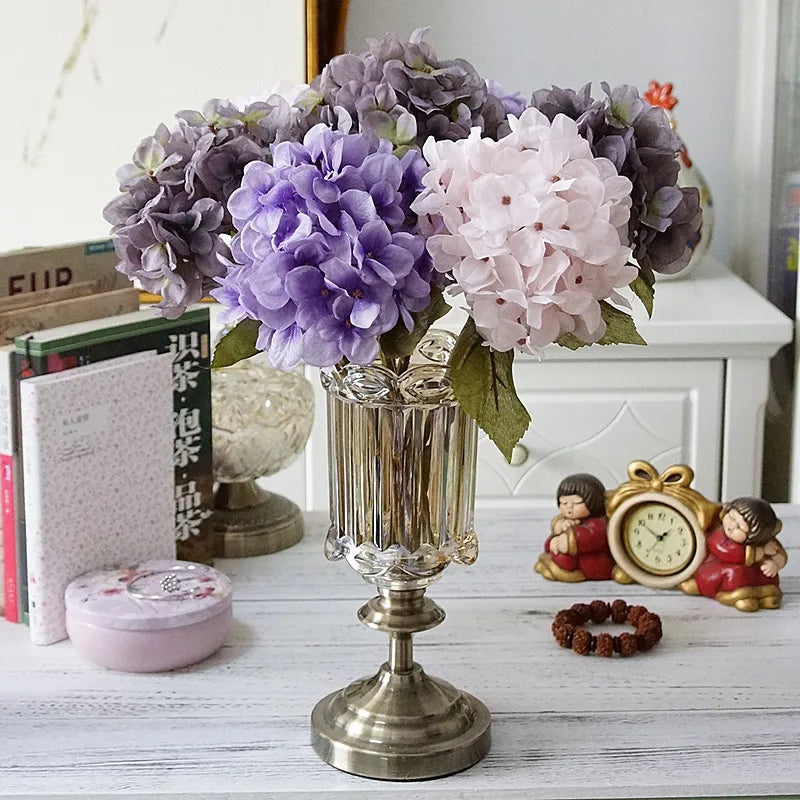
[[519, 455]]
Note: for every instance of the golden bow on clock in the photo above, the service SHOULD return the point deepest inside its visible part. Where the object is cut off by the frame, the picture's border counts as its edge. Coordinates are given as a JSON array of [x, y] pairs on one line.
[[673, 481]]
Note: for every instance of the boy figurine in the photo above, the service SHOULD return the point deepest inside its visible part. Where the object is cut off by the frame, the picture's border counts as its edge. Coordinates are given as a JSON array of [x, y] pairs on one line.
[[577, 548], [744, 558]]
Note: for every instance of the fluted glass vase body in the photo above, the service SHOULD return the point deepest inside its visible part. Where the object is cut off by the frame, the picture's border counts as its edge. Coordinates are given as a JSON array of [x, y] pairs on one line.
[[402, 457]]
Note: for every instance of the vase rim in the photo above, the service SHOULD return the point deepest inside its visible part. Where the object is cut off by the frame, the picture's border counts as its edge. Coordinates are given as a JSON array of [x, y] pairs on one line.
[[374, 385]]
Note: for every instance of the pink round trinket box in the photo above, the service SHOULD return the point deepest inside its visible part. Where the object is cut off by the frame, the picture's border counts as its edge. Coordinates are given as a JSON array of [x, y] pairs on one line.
[[157, 616]]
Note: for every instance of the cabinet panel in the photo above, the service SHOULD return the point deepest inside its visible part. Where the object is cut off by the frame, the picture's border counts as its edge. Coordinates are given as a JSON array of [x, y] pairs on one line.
[[600, 416]]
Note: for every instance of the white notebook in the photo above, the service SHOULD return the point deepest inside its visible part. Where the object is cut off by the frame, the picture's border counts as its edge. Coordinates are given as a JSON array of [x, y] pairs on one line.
[[97, 446]]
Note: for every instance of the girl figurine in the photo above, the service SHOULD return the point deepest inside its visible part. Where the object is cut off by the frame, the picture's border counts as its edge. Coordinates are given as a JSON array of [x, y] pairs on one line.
[[744, 558], [577, 548]]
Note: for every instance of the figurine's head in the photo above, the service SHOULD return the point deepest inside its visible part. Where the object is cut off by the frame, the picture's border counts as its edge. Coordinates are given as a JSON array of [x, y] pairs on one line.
[[580, 496], [749, 520]]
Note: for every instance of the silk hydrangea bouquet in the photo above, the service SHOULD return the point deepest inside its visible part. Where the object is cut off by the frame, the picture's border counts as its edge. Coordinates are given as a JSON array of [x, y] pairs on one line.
[[336, 221]]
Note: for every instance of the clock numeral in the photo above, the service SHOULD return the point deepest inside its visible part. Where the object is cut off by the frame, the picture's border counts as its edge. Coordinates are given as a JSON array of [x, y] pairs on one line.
[[681, 530], [661, 515], [669, 558], [658, 559], [638, 544]]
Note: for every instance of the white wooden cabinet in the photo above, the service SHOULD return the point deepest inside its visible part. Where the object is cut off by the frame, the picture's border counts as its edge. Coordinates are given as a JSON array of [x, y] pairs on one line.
[[695, 394]]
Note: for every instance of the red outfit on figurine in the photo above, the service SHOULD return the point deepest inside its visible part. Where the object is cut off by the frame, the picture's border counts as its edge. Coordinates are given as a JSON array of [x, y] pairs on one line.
[[593, 558], [577, 547], [744, 558], [725, 569]]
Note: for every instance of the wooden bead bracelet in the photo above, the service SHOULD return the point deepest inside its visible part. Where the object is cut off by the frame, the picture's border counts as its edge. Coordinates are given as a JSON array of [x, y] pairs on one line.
[[568, 632]]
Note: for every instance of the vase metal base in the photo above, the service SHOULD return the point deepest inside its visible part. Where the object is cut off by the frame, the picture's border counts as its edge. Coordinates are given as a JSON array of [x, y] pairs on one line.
[[401, 726], [270, 523]]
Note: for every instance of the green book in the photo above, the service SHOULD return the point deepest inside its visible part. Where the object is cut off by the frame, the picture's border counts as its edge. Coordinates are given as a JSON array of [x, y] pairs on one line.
[[188, 339]]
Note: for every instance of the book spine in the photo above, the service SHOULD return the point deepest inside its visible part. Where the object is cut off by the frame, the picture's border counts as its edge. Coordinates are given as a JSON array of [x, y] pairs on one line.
[[22, 366], [7, 510], [31, 468]]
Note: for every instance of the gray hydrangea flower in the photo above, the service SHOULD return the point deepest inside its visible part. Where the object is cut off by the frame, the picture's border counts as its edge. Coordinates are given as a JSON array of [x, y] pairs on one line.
[[637, 138], [400, 90], [170, 220]]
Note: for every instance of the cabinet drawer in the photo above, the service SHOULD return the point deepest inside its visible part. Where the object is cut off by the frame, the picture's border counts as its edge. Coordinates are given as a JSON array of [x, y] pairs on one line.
[[598, 416]]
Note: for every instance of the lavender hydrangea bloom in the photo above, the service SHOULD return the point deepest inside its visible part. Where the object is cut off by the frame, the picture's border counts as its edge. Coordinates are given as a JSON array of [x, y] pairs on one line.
[[171, 215], [329, 255], [513, 102], [638, 140], [399, 90]]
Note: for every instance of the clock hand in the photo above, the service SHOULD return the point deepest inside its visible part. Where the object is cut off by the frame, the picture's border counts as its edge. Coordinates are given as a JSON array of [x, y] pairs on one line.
[[665, 534], [650, 530]]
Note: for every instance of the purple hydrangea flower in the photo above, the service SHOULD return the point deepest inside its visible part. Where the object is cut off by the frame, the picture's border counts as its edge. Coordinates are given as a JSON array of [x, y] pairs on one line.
[[513, 102], [637, 138], [329, 255]]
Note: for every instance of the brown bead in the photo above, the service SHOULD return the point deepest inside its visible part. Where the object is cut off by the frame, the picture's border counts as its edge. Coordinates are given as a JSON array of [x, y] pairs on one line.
[[581, 642], [567, 615], [635, 613], [562, 633], [600, 611], [619, 611], [558, 623], [605, 645], [628, 644], [582, 611], [647, 640], [649, 622]]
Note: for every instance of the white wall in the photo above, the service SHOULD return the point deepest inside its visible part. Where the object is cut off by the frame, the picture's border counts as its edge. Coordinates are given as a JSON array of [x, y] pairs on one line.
[[82, 81], [529, 44]]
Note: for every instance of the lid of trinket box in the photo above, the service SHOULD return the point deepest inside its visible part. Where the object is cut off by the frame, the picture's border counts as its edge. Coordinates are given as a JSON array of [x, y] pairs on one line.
[[152, 595]]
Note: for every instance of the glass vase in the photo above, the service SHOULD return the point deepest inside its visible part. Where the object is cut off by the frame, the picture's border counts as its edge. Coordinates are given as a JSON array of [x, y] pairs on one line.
[[402, 457], [261, 420]]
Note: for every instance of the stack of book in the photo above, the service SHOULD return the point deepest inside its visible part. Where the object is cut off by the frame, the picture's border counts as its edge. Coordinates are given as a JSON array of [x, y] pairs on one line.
[[105, 440]]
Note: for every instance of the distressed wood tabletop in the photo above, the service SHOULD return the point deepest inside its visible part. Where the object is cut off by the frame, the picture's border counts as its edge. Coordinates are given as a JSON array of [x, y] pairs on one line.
[[714, 710]]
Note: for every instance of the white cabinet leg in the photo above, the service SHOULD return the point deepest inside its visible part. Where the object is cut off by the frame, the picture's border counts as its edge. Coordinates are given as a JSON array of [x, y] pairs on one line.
[[746, 385]]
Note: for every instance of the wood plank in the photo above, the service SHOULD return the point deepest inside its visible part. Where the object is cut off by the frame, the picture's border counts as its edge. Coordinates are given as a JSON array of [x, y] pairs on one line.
[[500, 650], [533, 756], [510, 543]]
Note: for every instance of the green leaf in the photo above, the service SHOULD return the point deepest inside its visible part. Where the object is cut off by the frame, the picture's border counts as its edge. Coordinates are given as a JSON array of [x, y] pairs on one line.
[[399, 342], [570, 341], [645, 292], [237, 344], [483, 383], [620, 329]]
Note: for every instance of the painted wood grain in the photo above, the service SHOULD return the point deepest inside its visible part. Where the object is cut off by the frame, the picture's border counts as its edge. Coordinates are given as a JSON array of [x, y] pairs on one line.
[[713, 711]]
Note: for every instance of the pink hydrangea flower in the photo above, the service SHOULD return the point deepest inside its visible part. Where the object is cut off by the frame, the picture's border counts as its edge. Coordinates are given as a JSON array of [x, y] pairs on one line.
[[532, 227]]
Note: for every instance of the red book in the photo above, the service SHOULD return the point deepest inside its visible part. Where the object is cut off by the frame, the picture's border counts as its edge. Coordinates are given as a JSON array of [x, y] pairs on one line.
[[8, 424]]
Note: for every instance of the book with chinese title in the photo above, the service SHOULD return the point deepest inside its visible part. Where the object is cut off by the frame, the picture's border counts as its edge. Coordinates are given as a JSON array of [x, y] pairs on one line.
[[98, 466], [188, 340]]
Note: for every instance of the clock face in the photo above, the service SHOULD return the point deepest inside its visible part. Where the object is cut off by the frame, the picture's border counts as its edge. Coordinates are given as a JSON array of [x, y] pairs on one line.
[[658, 538]]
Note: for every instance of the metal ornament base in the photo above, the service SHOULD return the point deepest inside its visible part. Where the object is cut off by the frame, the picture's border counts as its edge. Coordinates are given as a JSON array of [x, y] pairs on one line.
[[401, 724], [249, 521]]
